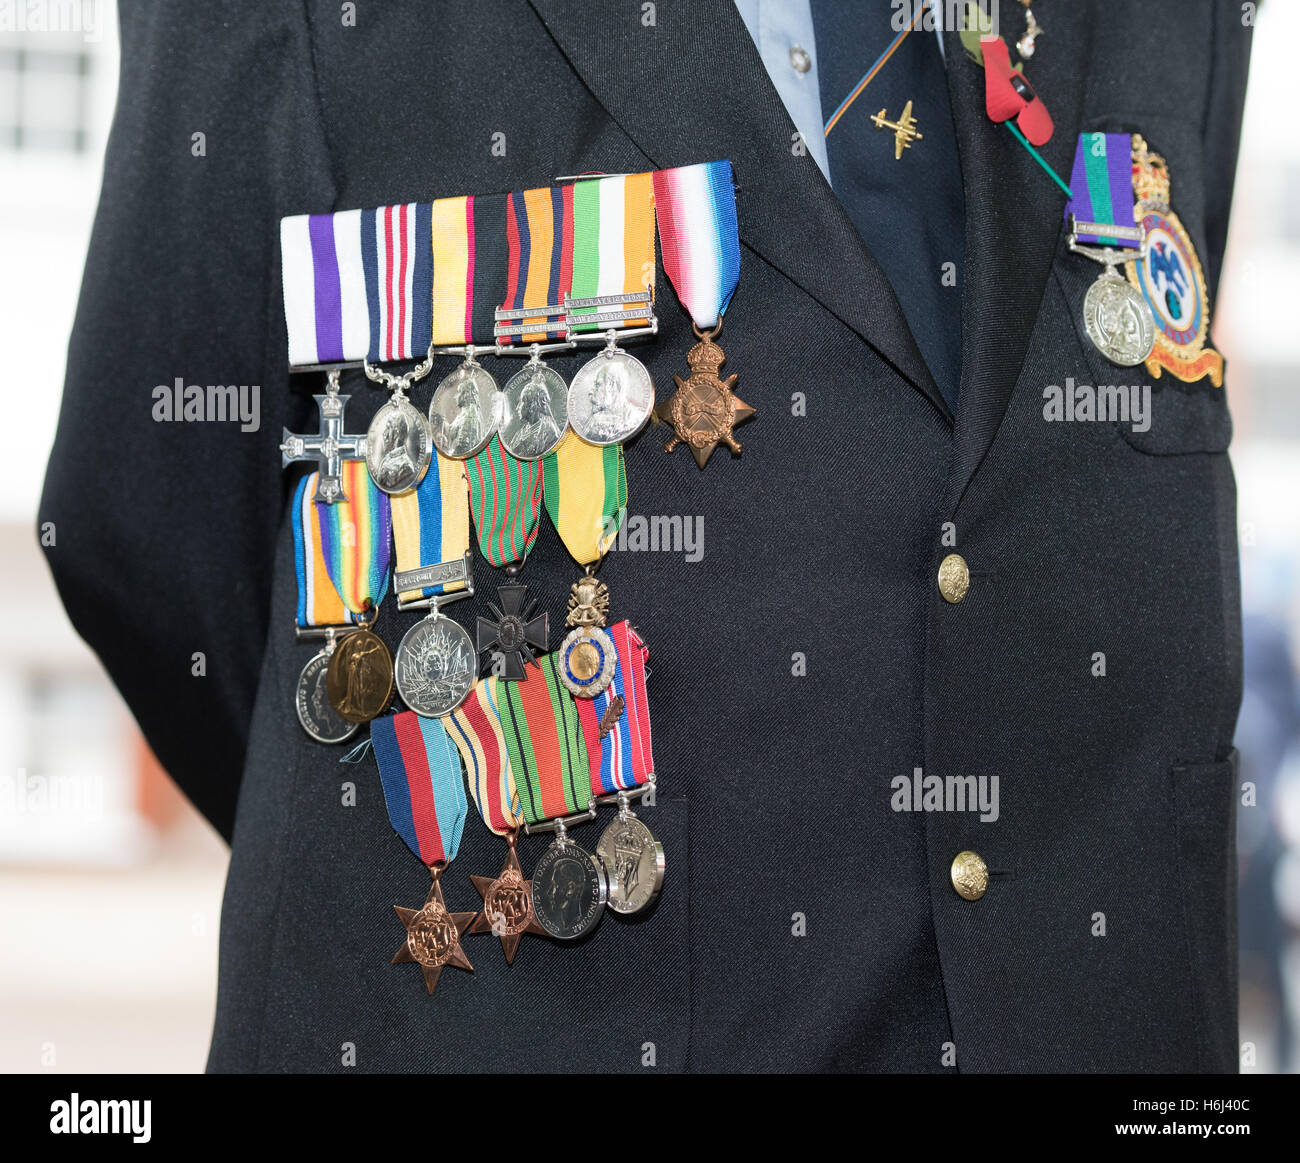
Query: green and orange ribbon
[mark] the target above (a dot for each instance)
(545, 743)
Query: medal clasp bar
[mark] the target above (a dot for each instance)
(561, 824)
(611, 313)
(1108, 256)
(346, 365)
(626, 796)
(441, 573)
(513, 323)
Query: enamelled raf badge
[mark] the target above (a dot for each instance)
(1170, 278)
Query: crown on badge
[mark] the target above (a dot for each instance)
(1150, 174)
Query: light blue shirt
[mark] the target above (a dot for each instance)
(783, 32)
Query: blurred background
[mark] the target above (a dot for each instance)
(91, 828)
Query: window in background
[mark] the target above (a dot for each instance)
(45, 82)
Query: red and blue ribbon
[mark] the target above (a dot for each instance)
(419, 767)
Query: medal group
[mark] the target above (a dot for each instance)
(542, 738)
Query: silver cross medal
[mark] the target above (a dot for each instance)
(328, 447)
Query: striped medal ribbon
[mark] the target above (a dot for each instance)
(552, 769)
(425, 796)
(506, 501)
(507, 897)
(1102, 185)
(319, 609)
(612, 395)
(355, 540)
(358, 284)
(616, 723)
(475, 728)
(545, 744)
(355, 545)
(431, 534)
(319, 603)
(1103, 227)
(695, 207)
(620, 718)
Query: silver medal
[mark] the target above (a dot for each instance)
(534, 411)
(435, 666)
(636, 863)
(570, 889)
(315, 711)
(398, 446)
(610, 398)
(1118, 320)
(463, 414)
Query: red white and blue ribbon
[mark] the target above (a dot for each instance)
(358, 284)
(419, 767)
(624, 754)
(698, 237)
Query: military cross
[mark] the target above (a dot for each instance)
(328, 447)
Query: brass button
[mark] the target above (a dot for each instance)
(954, 577)
(970, 875)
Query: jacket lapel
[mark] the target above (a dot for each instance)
(694, 88)
(1014, 214)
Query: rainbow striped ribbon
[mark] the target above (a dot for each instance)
(699, 237)
(475, 728)
(356, 538)
(431, 524)
(545, 743)
(319, 603)
(625, 760)
(423, 787)
(506, 500)
(358, 284)
(585, 489)
(1102, 186)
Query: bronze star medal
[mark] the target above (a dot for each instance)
(704, 409)
(507, 905)
(433, 935)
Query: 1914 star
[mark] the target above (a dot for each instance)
(507, 905)
(433, 935)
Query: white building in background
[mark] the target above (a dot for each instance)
(70, 758)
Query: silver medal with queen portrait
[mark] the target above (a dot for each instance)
(464, 412)
(534, 412)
